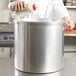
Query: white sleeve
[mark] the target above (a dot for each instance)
(59, 9)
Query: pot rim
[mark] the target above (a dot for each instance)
(37, 20)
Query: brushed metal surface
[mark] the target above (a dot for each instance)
(38, 46)
(18, 73)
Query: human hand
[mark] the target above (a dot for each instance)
(19, 6)
(68, 23)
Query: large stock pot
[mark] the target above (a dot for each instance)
(39, 45)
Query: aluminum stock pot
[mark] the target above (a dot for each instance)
(39, 45)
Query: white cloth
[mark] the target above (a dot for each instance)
(48, 8)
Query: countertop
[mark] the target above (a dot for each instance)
(70, 33)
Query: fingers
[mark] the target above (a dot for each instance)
(22, 5)
(18, 6)
(72, 25)
(69, 24)
(13, 7)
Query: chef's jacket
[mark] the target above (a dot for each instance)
(48, 8)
